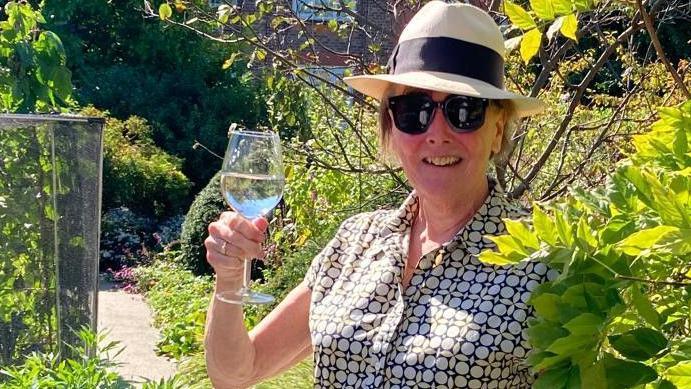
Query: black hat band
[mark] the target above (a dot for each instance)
(448, 55)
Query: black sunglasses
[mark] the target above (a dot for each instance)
(413, 113)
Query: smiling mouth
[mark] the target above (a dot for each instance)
(445, 161)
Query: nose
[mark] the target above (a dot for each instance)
(438, 131)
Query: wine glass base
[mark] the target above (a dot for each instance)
(244, 296)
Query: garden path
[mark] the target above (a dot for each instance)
(127, 319)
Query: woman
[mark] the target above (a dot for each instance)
(398, 298)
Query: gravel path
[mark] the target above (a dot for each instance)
(127, 320)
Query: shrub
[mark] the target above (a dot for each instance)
(172, 77)
(129, 239)
(137, 174)
(46, 370)
(179, 300)
(206, 207)
(618, 314)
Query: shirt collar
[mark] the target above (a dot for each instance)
(496, 205)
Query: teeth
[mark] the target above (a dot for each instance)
(442, 161)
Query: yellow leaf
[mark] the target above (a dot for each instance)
(679, 375)
(519, 16)
(164, 11)
(493, 258)
(229, 62)
(530, 44)
(569, 27)
(543, 9)
(562, 7)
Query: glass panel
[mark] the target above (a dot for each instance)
(50, 188)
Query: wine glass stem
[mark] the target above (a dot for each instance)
(248, 274)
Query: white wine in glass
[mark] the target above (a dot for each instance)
(252, 183)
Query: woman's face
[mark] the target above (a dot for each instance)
(442, 162)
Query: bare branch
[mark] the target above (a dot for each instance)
(575, 102)
(658, 48)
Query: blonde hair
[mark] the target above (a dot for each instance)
(506, 107)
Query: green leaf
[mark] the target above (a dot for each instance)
(553, 378)
(562, 7)
(546, 306)
(518, 16)
(583, 5)
(585, 324)
(655, 195)
(543, 9)
(563, 229)
(639, 344)
(626, 374)
(530, 45)
(569, 27)
(164, 11)
(223, 13)
(616, 229)
(572, 344)
(679, 375)
(542, 335)
(494, 258)
(644, 240)
(593, 376)
(519, 230)
(644, 307)
(585, 235)
(543, 225)
(508, 245)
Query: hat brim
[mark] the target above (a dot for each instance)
(376, 85)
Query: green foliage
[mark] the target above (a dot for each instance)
(566, 22)
(91, 369)
(33, 72)
(179, 300)
(207, 206)
(300, 376)
(130, 65)
(138, 174)
(28, 320)
(618, 315)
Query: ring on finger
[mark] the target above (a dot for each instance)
(224, 248)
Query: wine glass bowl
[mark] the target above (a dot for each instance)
(252, 183)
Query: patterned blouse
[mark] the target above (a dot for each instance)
(459, 323)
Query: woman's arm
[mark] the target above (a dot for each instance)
(236, 359)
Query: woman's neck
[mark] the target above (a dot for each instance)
(439, 218)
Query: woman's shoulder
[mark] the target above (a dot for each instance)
(367, 221)
(502, 205)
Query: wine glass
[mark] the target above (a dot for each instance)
(252, 184)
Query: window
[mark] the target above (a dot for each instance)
(322, 10)
(331, 73)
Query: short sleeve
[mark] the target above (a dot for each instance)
(346, 235)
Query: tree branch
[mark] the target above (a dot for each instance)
(575, 102)
(658, 48)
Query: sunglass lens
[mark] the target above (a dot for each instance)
(411, 113)
(466, 113)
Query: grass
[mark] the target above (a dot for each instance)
(299, 376)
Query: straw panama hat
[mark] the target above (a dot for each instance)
(453, 48)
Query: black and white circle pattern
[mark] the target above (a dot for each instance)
(459, 323)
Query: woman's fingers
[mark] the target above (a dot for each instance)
(231, 239)
(251, 230)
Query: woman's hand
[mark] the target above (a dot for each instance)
(231, 240)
